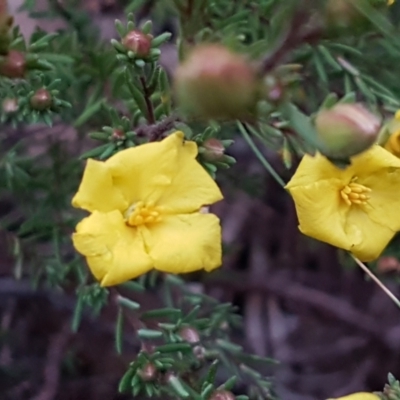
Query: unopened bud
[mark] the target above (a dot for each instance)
(10, 105)
(118, 134)
(346, 130)
(215, 83)
(41, 100)
(13, 65)
(274, 89)
(199, 352)
(189, 334)
(138, 42)
(388, 264)
(222, 395)
(148, 373)
(213, 149)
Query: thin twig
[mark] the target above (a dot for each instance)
(259, 155)
(376, 280)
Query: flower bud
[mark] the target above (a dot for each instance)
(10, 105)
(189, 334)
(148, 373)
(138, 42)
(215, 83)
(222, 395)
(212, 149)
(41, 100)
(346, 130)
(13, 65)
(118, 134)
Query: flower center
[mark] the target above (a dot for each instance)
(140, 213)
(354, 193)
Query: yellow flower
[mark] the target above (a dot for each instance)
(359, 396)
(390, 2)
(357, 208)
(145, 207)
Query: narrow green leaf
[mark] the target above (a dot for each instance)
(88, 113)
(94, 152)
(174, 347)
(300, 123)
(149, 334)
(119, 330)
(132, 305)
(125, 382)
(163, 312)
(212, 372)
(177, 386)
(159, 40)
(77, 317)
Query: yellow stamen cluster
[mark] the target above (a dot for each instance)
(141, 213)
(354, 193)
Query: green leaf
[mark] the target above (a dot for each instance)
(132, 305)
(174, 347)
(300, 123)
(149, 334)
(212, 372)
(163, 312)
(177, 386)
(88, 113)
(77, 317)
(159, 40)
(119, 330)
(94, 152)
(125, 382)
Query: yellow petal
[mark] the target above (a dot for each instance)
(96, 191)
(192, 187)
(322, 212)
(144, 172)
(384, 203)
(317, 168)
(359, 396)
(184, 243)
(372, 161)
(393, 144)
(369, 238)
(115, 252)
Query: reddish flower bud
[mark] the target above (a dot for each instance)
(138, 42)
(118, 134)
(41, 100)
(222, 395)
(213, 149)
(346, 130)
(148, 373)
(13, 65)
(189, 334)
(215, 83)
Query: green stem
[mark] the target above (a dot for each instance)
(376, 280)
(259, 155)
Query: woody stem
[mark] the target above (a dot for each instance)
(376, 280)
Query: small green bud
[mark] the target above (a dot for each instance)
(215, 83)
(41, 100)
(137, 42)
(346, 130)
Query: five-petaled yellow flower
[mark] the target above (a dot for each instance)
(359, 396)
(145, 205)
(356, 208)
